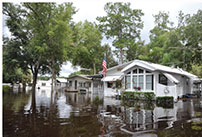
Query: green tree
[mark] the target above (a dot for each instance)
(53, 34)
(134, 50)
(109, 56)
(14, 65)
(196, 70)
(86, 50)
(176, 46)
(40, 35)
(189, 28)
(159, 36)
(122, 24)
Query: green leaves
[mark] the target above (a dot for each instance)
(87, 50)
(177, 46)
(122, 24)
(41, 33)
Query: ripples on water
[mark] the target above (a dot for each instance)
(74, 115)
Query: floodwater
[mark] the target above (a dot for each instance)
(76, 115)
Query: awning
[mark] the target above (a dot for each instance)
(111, 78)
(171, 78)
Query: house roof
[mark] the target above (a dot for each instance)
(155, 67)
(171, 78)
(95, 76)
(81, 76)
(63, 80)
(117, 66)
(120, 65)
(112, 78)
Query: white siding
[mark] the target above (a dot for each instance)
(109, 91)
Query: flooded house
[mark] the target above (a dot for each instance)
(61, 82)
(98, 86)
(86, 83)
(79, 83)
(142, 76)
(44, 83)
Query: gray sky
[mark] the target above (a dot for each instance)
(90, 9)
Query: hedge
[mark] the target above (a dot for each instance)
(138, 95)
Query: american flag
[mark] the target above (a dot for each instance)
(104, 65)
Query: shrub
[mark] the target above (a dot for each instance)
(97, 100)
(6, 88)
(165, 101)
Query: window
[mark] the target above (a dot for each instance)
(80, 84)
(70, 83)
(135, 71)
(148, 72)
(109, 84)
(149, 82)
(129, 73)
(128, 81)
(163, 79)
(43, 84)
(141, 71)
(141, 81)
(134, 81)
(187, 81)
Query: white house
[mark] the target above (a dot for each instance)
(61, 82)
(43, 83)
(80, 83)
(86, 84)
(143, 76)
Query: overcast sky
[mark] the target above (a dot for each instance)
(90, 9)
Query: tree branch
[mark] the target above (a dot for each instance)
(28, 5)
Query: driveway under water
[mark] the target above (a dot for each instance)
(77, 115)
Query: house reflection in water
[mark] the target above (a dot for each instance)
(146, 116)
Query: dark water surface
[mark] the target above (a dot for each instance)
(76, 115)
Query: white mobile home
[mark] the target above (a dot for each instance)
(61, 82)
(79, 83)
(44, 83)
(144, 76)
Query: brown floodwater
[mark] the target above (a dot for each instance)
(77, 115)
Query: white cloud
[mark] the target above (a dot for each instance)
(67, 69)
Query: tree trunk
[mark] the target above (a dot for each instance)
(24, 87)
(19, 87)
(53, 87)
(121, 48)
(33, 106)
(94, 68)
(121, 55)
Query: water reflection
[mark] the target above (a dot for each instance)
(72, 114)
